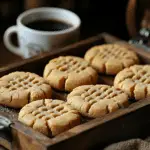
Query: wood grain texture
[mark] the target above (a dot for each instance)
(113, 127)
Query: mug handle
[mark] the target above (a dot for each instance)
(8, 42)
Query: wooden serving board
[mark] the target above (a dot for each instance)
(120, 125)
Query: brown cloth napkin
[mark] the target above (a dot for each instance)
(132, 144)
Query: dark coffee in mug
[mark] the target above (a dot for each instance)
(48, 25)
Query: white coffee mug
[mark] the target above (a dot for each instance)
(32, 42)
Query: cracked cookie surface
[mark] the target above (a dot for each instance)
(49, 117)
(110, 58)
(67, 72)
(19, 88)
(97, 100)
(135, 81)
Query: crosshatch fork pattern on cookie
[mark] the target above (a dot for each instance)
(49, 117)
(67, 72)
(20, 88)
(69, 64)
(97, 100)
(135, 81)
(110, 58)
(23, 82)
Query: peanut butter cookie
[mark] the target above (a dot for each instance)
(135, 81)
(19, 88)
(49, 117)
(110, 58)
(67, 72)
(97, 100)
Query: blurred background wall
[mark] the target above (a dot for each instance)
(97, 15)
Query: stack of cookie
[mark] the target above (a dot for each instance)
(79, 78)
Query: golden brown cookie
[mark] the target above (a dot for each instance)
(49, 117)
(110, 58)
(135, 81)
(97, 100)
(19, 88)
(67, 72)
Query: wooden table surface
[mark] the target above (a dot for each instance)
(6, 57)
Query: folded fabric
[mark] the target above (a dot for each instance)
(132, 144)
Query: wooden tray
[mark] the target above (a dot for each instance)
(121, 125)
